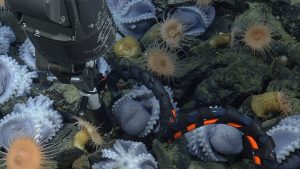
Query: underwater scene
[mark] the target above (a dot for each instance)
(149, 84)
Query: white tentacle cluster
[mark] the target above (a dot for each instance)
(27, 54)
(36, 119)
(7, 36)
(127, 155)
(15, 78)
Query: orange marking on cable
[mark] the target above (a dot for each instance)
(173, 112)
(252, 142)
(104, 78)
(191, 127)
(177, 135)
(257, 160)
(212, 121)
(234, 125)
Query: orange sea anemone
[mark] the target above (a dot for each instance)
(25, 153)
(259, 38)
(163, 62)
(92, 131)
(255, 32)
(172, 32)
(2, 4)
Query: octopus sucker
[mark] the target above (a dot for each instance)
(15, 78)
(286, 135)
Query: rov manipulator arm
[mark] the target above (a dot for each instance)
(68, 35)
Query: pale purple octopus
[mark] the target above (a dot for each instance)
(4, 75)
(15, 79)
(195, 19)
(286, 135)
(7, 36)
(126, 154)
(132, 17)
(212, 142)
(36, 118)
(27, 54)
(138, 111)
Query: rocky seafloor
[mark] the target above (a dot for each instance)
(225, 74)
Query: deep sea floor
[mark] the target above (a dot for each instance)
(207, 53)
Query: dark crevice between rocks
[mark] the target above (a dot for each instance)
(190, 90)
(238, 101)
(264, 84)
(289, 17)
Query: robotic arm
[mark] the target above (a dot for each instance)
(68, 35)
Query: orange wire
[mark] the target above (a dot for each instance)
(234, 125)
(177, 135)
(257, 160)
(212, 121)
(173, 112)
(252, 142)
(191, 127)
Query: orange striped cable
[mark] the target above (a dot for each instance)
(212, 121)
(173, 112)
(252, 142)
(257, 160)
(191, 127)
(234, 125)
(177, 135)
